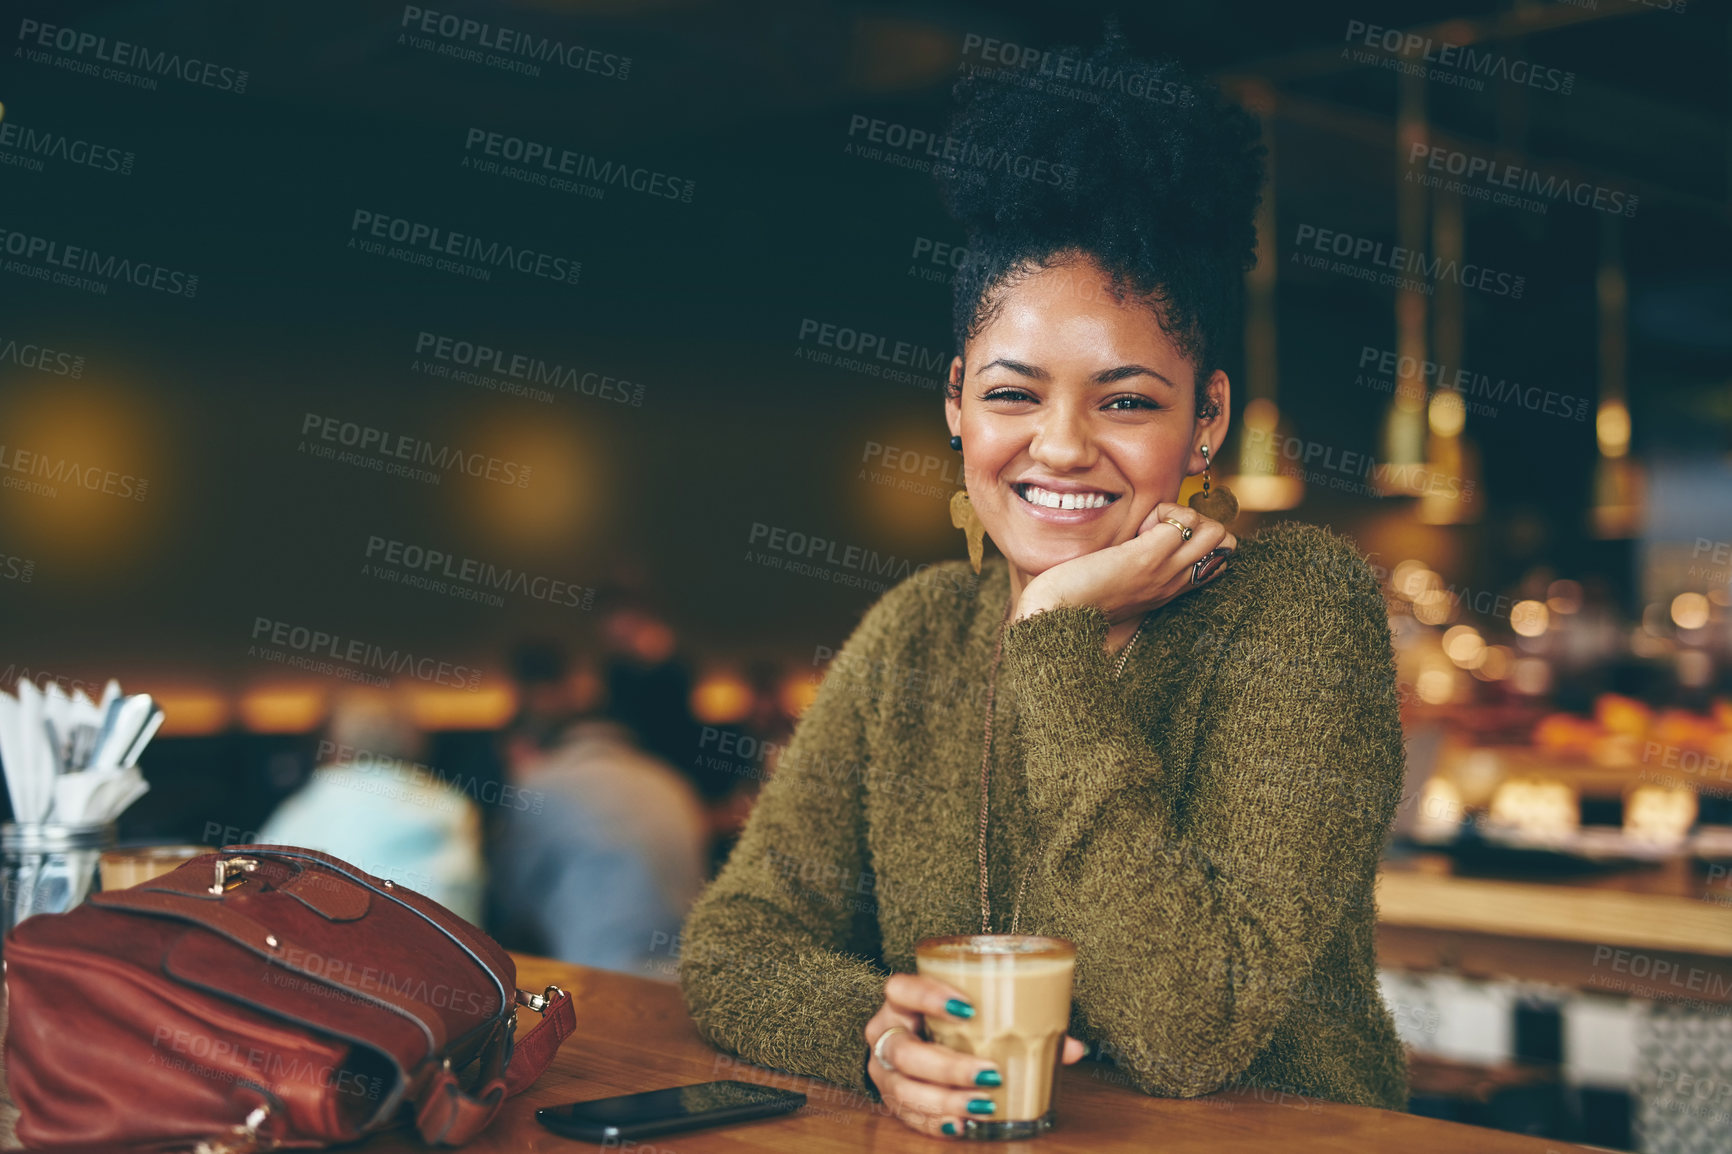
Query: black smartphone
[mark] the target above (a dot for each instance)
(665, 1111)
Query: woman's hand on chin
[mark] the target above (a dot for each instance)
(932, 1087)
(1130, 578)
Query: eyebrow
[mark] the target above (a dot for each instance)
(1104, 377)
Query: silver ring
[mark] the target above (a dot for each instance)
(878, 1046)
(1184, 529)
(1211, 561)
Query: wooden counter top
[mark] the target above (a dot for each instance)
(633, 1034)
(1643, 909)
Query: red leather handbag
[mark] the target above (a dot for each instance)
(261, 996)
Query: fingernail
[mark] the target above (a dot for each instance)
(988, 1078)
(957, 1008)
(981, 1106)
(949, 1128)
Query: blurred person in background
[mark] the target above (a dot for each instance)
(371, 802)
(603, 859)
(547, 701)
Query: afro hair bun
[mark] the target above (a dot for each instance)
(1079, 136)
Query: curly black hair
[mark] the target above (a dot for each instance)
(1135, 163)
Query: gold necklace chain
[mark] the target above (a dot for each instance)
(985, 769)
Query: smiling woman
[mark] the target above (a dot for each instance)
(1205, 833)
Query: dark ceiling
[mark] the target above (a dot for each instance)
(704, 303)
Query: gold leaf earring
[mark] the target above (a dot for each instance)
(1217, 503)
(963, 516)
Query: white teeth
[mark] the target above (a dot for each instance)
(1035, 495)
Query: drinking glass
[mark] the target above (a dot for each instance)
(1020, 987)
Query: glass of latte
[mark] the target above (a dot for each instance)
(1020, 986)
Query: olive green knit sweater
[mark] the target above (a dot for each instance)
(1206, 827)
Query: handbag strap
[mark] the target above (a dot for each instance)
(466, 937)
(448, 1115)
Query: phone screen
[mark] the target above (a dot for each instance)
(668, 1109)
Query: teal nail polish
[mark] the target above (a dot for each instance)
(957, 1008)
(981, 1106)
(949, 1129)
(988, 1078)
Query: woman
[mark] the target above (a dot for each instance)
(1202, 812)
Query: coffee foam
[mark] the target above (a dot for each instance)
(1033, 966)
(988, 948)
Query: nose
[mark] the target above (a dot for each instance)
(1061, 440)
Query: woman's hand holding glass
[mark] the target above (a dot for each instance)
(928, 1086)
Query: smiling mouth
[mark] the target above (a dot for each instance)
(1048, 499)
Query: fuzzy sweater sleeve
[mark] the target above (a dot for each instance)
(777, 957)
(1194, 929)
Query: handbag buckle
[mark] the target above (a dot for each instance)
(539, 1002)
(225, 879)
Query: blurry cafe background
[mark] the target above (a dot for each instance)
(503, 571)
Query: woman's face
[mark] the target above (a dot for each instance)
(1070, 392)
